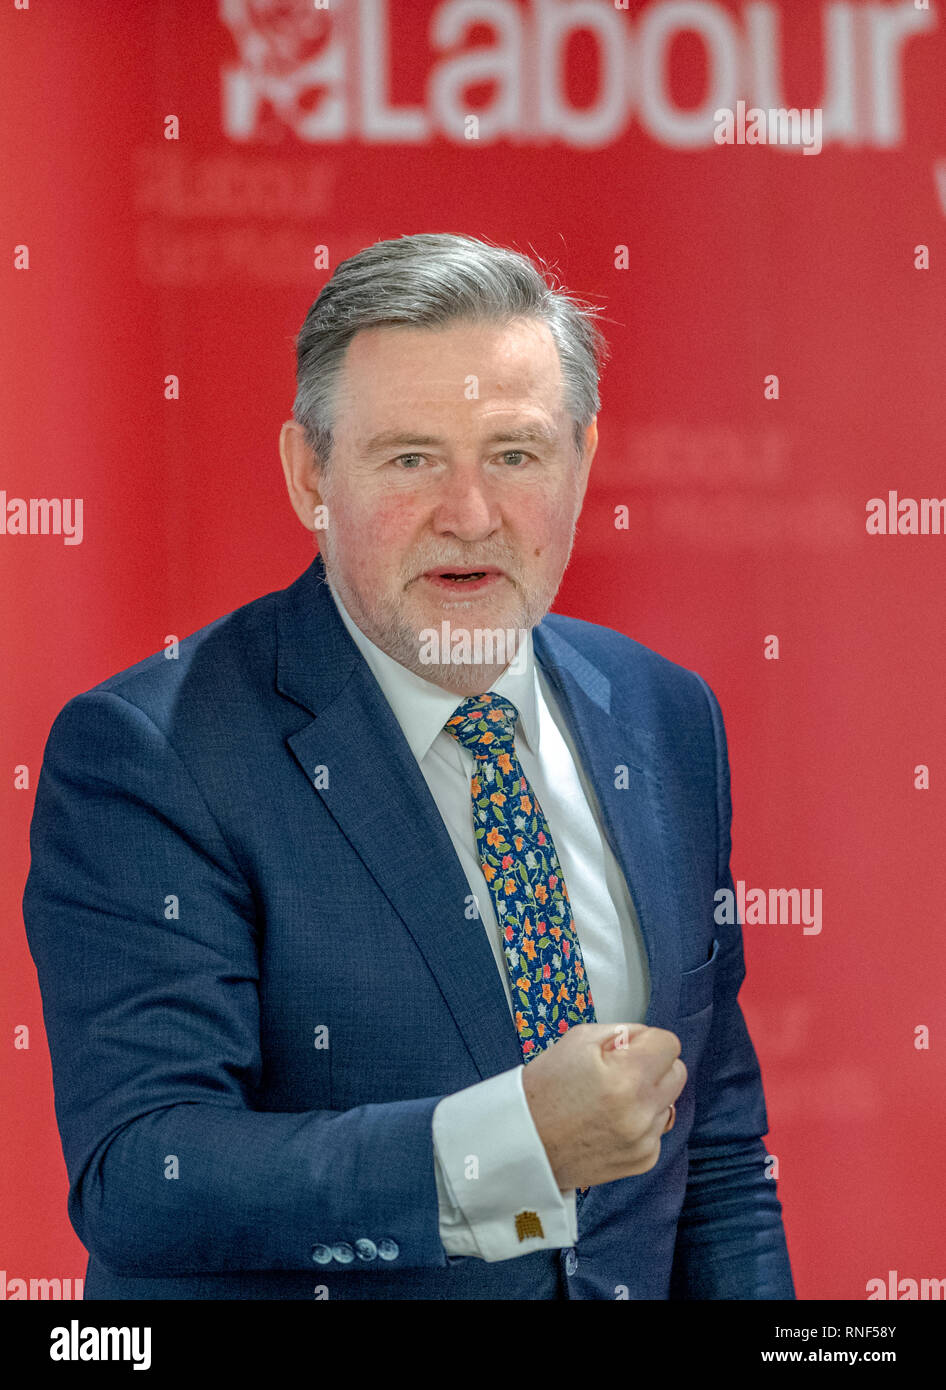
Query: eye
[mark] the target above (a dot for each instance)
(411, 458)
(513, 454)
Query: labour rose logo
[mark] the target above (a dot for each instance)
(289, 61)
(277, 36)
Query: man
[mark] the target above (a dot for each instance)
(379, 962)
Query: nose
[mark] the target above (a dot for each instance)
(466, 507)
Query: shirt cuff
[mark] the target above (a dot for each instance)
(497, 1193)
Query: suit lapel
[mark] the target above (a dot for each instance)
(380, 800)
(634, 816)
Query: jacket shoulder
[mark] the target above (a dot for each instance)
(643, 685)
(220, 660)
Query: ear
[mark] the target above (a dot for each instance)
(588, 453)
(301, 472)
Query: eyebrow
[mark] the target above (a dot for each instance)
(523, 434)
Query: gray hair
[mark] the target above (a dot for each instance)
(427, 281)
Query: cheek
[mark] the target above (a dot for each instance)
(393, 517)
(377, 530)
(545, 522)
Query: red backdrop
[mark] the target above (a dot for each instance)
(132, 257)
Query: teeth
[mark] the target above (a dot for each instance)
(464, 578)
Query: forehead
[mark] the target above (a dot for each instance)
(474, 368)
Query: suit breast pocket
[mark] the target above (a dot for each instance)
(692, 1027)
(696, 986)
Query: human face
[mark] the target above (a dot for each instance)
(452, 451)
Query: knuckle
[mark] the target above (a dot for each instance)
(634, 1125)
(648, 1158)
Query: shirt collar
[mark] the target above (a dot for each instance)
(422, 708)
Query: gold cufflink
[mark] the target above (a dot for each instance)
(528, 1224)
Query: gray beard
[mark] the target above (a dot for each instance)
(390, 630)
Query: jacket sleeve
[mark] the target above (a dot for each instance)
(144, 935)
(730, 1238)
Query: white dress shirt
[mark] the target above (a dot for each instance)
(490, 1163)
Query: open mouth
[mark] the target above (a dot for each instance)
(460, 579)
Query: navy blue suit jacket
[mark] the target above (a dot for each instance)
(198, 905)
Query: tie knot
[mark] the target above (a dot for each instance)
(485, 724)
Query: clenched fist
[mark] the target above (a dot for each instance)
(600, 1098)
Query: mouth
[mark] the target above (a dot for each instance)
(463, 579)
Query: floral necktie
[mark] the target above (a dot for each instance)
(519, 863)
